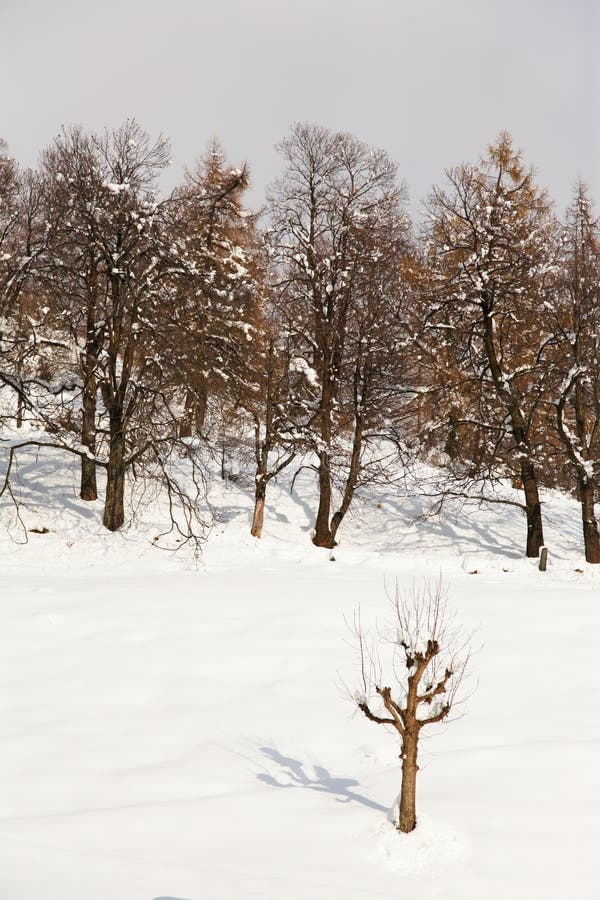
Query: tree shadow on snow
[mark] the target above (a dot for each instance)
(409, 522)
(59, 477)
(322, 780)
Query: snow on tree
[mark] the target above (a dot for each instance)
(490, 249)
(338, 235)
(572, 356)
(106, 273)
(217, 295)
(75, 276)
(23, 238)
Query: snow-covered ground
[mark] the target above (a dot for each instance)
(177, 728)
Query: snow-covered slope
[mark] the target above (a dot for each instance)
(175, 727)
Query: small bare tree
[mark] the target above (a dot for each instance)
(429, 655)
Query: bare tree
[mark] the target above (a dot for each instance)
(275, 408)
(10, 223)
(22, 238)
(74, 276)
(338, 235)
(111, 266)
(428, 661)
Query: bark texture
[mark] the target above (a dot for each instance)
(407, 820)
(89, 488)
(259, 509)
(591, 538)
(114, 509)
(323, 536)
(533, 509)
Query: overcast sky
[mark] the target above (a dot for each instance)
(431, 81)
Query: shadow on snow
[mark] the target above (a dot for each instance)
(294, 775)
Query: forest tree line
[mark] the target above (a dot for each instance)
(137, 328)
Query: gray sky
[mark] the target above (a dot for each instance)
(431, 81)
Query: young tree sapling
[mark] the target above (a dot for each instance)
(429, 655)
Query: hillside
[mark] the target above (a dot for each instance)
(176, 726)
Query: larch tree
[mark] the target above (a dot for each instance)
(216, 298)
(572, 354)
(490, 239)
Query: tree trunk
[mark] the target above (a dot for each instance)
(88, 362)
(259, 507)
(89, 488)
(223, 467)
(351, 480)
(114, 513)
(195, 406)
(585, 488)
(407, 820)
(519, 427)
(20, 396)
(533, 509)
(201, 407)
(20, 406)
(323, 536)
(591, 538)
(185, 427)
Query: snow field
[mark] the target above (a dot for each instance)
(179, 729)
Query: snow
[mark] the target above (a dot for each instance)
(300, 365)
(175, 727)
(117, 187)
